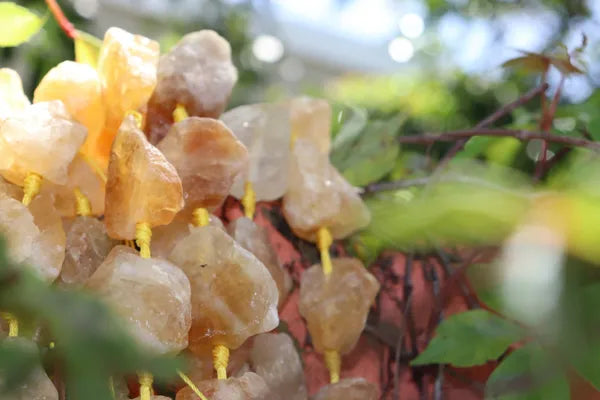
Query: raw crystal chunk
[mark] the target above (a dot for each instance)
(87, 246)
(152, 295)
(348, 389)
(42, 138)
(311, 120)
(142, 185)
(248, 387)
(233, 294)
(318, 196)
(127, 67)
(276, 360)
(336, 306)
(35, 235)
(198, 74)
(265, 131)
(78, 87)
(10, 190)
(83, 176)
(12, 98)
(153, 397)
(254, 239)
(207, 157)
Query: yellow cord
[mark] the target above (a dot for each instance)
(82, 204)
(249, 200)
(200, 217)
(220, 360)
(31, 187)
(333, 363)
(139, 119)
(13, 324)
(293, 137)
(189, 382)
(180, 113)
(324, 241)
(145, 380)
(143, 235)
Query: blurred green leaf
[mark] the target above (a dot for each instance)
(18, 359)
(528, 373)
(17, 24)
(469, 338)
(350, 128)
(87, 48)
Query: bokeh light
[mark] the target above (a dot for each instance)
(412, 25)
(401, 50)
(267, 48)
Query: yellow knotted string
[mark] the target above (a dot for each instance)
(324, 241)
(180, 113)
(200, 217)
(145, 380)
(82, 204)
(143, 235)
(249, 200)
(220, 360)
(333, 363)
(31, 187)
(189, 382)
(13, 324)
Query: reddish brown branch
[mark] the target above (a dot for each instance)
(61, 19)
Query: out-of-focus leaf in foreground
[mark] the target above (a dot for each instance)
(17, 24)
(87, 48)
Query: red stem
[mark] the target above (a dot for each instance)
(545, 125)
(61, 19)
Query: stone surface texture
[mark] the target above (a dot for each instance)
(265, 131)
(336, 306)
(142, 185)
(233, 294)
(42, 138)
(348, 389)
(248, 387)
(311, 120)
(318, 196)
(12, 97)
(198, 74)
(152, 295)
(207, 157)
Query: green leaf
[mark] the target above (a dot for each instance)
(351, 128)
(17, 24)
(469, 338)
(527, 373)
(87, 48)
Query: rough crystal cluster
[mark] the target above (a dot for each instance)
(198, 74)
(207, 157)
(247, 387)
(152, 295)
(233, 294)
(142, 185)
(78, 87)
(127, 68)
(318, 196)
(348, 389)
(42, 138)
(265, 131)
(336, 306)
(276, 360)
(87, 247)
(311, 120)
(12, 98)
(254, 239)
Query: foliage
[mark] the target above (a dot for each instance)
(17, 24)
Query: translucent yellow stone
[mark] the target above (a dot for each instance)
(152, 295)
(318, 196)
(207, 157)
(127, 68)
(233, 294)
(336, 306)
(348, 389)
(254, 239)
(78, 87)
(247, 387)
(12, 98)
(10, 190)
(42, 138)
(142, 185)
(196, 73)
(311, 120)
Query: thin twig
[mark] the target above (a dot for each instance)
(453, 136)
(407, 294)
(61, 19)
(545, 125)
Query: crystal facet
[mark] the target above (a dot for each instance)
(12, 98)
(265, 131)
(42, 138)
(311, 120)
(233, 294)
(336, 306)
(198, 74)
(248, 387)
(318, 196)
(207, 157)
(152, 295)
(142, 185)
(348, 389)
